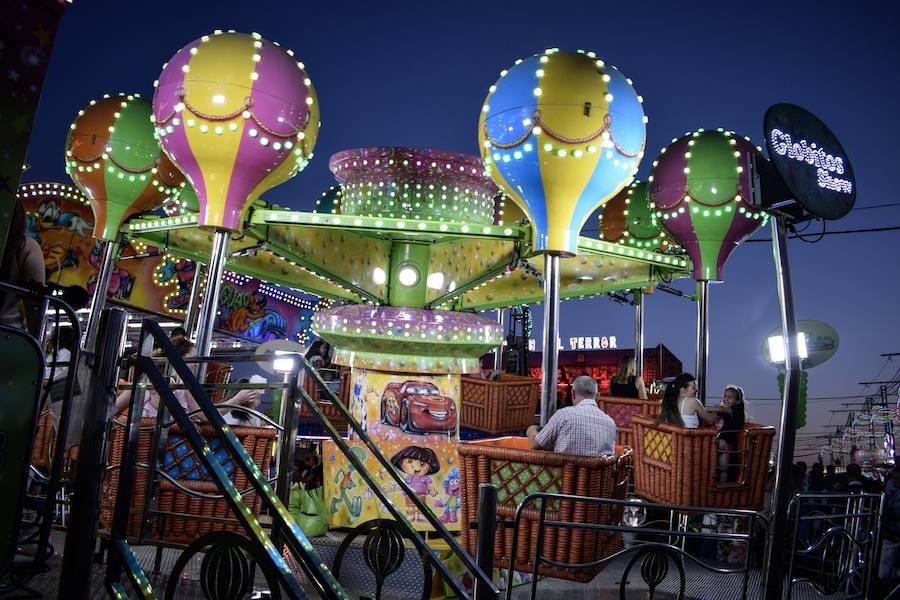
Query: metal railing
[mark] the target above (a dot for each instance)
(54, 478)
(654, 556)
(835, 543)
(318, 574)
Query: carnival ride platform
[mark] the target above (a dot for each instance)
(407, 582)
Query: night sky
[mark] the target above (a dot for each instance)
(416, 74)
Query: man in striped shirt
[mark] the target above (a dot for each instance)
(579, 429)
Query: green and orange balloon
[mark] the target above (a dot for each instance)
(114, 158)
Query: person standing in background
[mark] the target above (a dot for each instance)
(627, 383)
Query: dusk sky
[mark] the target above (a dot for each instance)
(416, 74)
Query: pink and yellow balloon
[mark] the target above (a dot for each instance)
(238, 115)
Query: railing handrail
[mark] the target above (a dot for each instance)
(65, 411)
(313, 566)
(639, 547)
(446, 536)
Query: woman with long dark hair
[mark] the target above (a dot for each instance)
(22, 265)
(681, 407)
(317, 355)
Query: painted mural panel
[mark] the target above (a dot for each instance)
(153, 280)
(414, 420)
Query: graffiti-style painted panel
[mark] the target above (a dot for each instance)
(255, 310)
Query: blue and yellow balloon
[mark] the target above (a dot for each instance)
(562, 133)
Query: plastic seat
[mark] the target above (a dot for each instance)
(678, 466)
(518, 471)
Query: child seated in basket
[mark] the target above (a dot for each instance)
(732, 424)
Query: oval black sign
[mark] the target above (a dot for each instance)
(810, 160)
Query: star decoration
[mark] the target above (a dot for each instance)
(43, 35)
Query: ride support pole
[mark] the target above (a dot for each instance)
(210, 303)
(75, 580)
(498, 351)
(549, 356)
(639, 334)
(778, 519)
(702, 338)
(98, 301)
(485, 534)
(192, 312)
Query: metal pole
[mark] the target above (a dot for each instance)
(210, 303)
(289, 420)
(549, 358)
(193, 307)
(498, 351)
(702, 338)
(781, 496)
(284, 458)
(82, 534)
(109, 249)
(484, 542)
(639, 334)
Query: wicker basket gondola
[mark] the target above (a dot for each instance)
(45, 443)
(518, 471)
(327, 408)
(182, 464)
(678, 466)
(502, 406)
(622, 409)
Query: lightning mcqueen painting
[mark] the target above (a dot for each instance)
(418, 407)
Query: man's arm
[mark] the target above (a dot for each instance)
(544, 438)
(532, 433)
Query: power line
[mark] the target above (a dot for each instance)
(840, 232)
(889, 204)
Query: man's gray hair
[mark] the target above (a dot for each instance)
(584, 387)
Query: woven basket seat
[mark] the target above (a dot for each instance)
(180, 462)
(518, 471)
(622, 409)
(676, 465)
(502, 406)
(45, 443)
(328, 409)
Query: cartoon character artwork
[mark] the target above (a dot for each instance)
(358, 400)
(48, 225)
(344, 479)
(418, 464)
(242, 316)
(121, 282)
(181, 272)
(452, 494)
(271, 326)
(418, 407)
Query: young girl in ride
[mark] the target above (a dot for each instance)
(732, 413)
